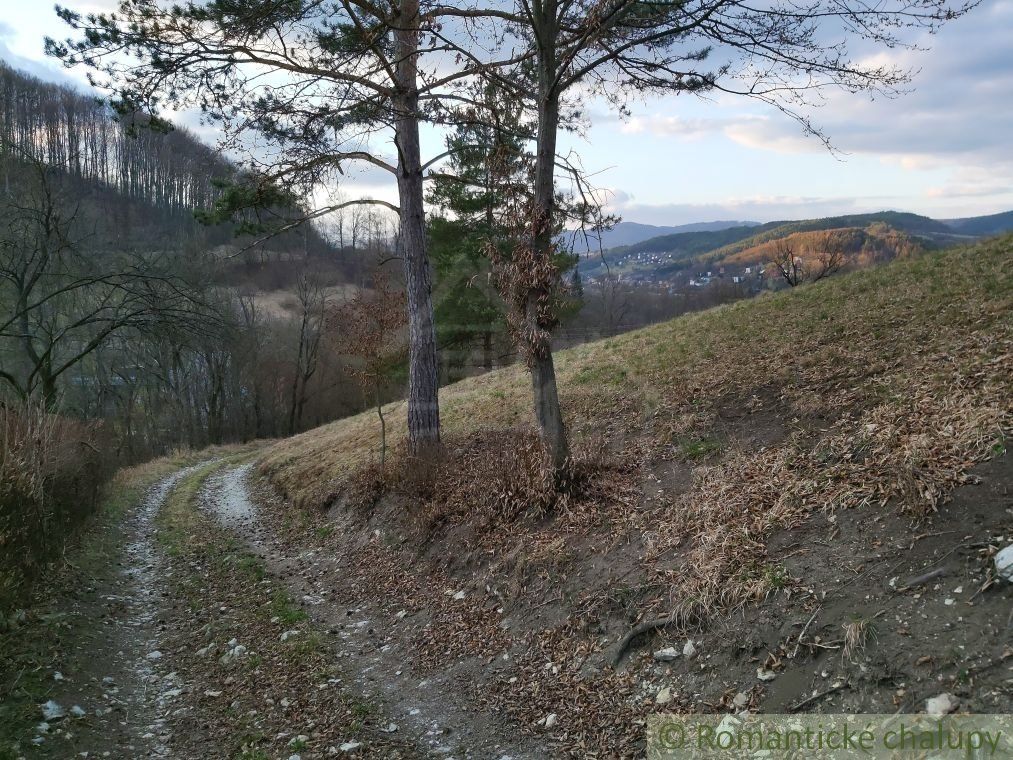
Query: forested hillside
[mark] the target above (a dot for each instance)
(120, 305)
(65, 128)
(660, 258)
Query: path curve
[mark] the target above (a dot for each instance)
(428, 711)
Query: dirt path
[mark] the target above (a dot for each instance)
(424, 712)
(111, 694)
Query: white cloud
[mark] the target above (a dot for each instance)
(958, 112)
(690, 129)
(757, 208)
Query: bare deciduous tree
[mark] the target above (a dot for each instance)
(828, 256)
(788, 264)
(312, 300)
(69, 291)
(797, 263)
(370, 331)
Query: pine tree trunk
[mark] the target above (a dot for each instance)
(543, 371)
(423, 376)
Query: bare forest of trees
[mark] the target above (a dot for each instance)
(63, 128)
(119, 306)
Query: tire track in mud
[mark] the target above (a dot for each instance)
(111, 695)
(425, 712)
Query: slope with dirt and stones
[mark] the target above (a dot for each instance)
(741, 472)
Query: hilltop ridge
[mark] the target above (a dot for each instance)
(659, 258)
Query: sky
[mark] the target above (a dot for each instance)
(943, 148)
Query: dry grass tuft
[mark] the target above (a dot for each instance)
(856, 635)
(490, 480)
(51, 477)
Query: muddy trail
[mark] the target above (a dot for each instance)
(364, 641)
(110, 693)
(203, 640)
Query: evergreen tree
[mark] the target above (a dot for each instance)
(487, 165)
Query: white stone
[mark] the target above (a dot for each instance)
(689, 650)
(941, 704)
(667, 654)
(765, 675)
(350, 747)
(156, 655)
(1004, 563)
(728, 725)
(52, 711)
(664, 696)
(550, 720)
(459, 596)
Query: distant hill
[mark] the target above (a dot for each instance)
(660, 257)
(993, 224)
(631, 233)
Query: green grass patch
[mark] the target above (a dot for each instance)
(324, 531)
(699, 448)
(285, 609)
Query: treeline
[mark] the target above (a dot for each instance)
(145, 173)
(100, 322)
(62, 127)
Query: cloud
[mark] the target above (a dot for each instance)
(41, 69)
(754, 208)
(689, 129)
(958, 112)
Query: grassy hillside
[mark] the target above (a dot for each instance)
(785, 344)
(789, 458)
